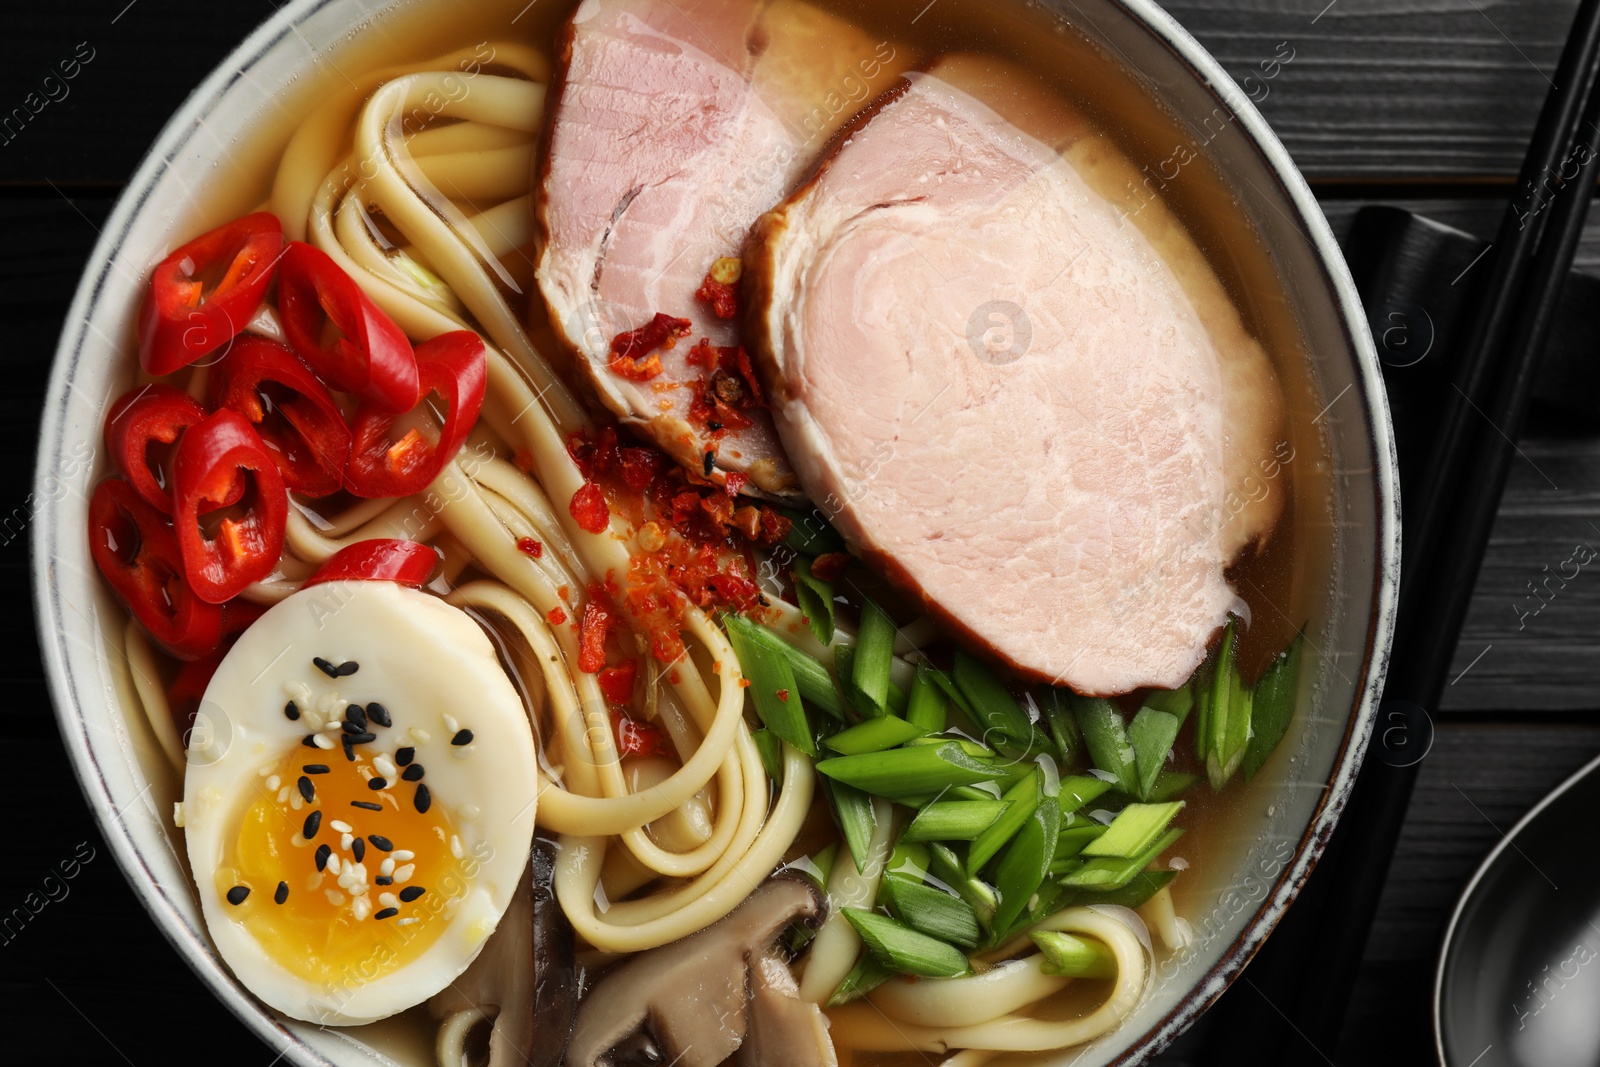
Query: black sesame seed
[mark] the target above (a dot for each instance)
(708, 461)
(377, 783)
(411, 892)
(323, 852)
(423, 799)
(306, 789)
(413, 773)
(462, 737)
(282, 894)
(381, 843)
(383, 879)
(315, 768)
(357, 715)
(349, 750)
(366, 805)
(379, 714)
(325, 667)
(309, 740)
(404, 756)
(358, 849)
(360, 739)
(352, 727)
(386, 913)
(713, 425)
(347, 669)
(313, 824)
(237, 894)
(292, 710)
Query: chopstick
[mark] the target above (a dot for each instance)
(1311, 962)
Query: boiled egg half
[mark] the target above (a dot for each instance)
(359, 800)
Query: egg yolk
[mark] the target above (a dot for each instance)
(366, 892)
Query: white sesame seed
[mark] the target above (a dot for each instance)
(401, 855)
(461, 752)
(322, 741)
(386, 868)
(283, 795)
(450, 723)
(345, 841)
(388, 900)
(265, 771)
(314, 882)
(403, 874)
(296, 802)
(297, 691)
(360, 869)
(298, 840)
(335, 897)
(332, 705)
(384, 766)
(469, 812)
(455, 846)
(340, 826)
(361, 908)
(333, 726)
(334, 863)
(409, 920)
(273, 783)
(421, 736)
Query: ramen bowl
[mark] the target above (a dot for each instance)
(1207, 151)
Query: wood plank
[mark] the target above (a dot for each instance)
(1419, 89)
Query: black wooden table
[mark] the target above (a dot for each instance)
(1424, 105)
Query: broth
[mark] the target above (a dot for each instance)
(1284, 585)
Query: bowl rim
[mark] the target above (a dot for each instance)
(1335, 276)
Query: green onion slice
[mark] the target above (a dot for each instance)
(1274, 705)
(873, 735)
(1075, 957)
(1134, 830)
(853, 809)
(816, 600)
(927, 705)
(911, 771)
(1151, 733)
(775, 691)
(1106, 737)
(953, 820)
(904, 950)
(931, 911)
(1021, 801)
(816, 687)
(874, 653)
(993, 707)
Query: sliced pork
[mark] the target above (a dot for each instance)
(1025, 401)
(675, 124)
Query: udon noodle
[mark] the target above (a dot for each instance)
(416, 180)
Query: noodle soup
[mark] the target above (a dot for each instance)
(704, 694)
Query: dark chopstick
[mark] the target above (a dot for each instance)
(1308, 968)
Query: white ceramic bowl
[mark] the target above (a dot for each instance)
(126, 779)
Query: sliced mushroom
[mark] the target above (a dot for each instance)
(503, 1012)
(784, 1031)
(692, 1003)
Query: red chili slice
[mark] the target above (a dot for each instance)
(187, 691)
(635, 738)
(292, 411)
(248, 542)
(617, 682)
(151, 415)
(588, 506)
(452, 365)
(592, 630)
(342, 334)
(137, 552)
(203, 295)
(379, 560)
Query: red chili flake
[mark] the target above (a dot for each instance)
(747, 520)
(555, 617)
(735, 482)
(529, 546)
(589, 507)
(748, 373)
(524, 460)
(632, 352)
(635, 738)
(774, 526)
(724, 299)
(592, 631)
(783, 695)
(744, 683)
(672, 677)
(828, 567)
(639, 466)
(740, 592)
(617, 682)
(702, 354)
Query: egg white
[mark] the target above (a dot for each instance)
(423, 660)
